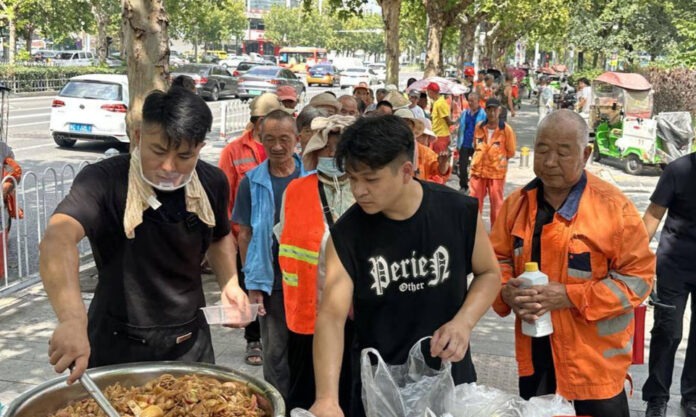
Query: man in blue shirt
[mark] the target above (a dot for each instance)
(465, 137)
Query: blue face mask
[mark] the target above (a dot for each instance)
(327, 166)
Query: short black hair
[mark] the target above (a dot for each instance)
(309, 113)
(584, 81)
(384, 103)
(382, 91)
(410, 81)
(376, 142)
(279, 115)
(183, 115)
(184, 81)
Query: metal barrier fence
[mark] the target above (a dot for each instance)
(37, 194)
(235, 115)
(24, 85)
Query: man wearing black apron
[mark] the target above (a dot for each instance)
(150, 218)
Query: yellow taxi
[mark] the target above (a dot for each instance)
(323, 74)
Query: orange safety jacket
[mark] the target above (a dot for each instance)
(429, 167)
(490, 159)
(236, 159)
(299, 247)
(13, 169)
(598, 247)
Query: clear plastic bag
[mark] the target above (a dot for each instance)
(473, 400)
(412, 389)
(548, 406)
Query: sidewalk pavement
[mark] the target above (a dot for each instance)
(27, 321)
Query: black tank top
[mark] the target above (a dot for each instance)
(409, 276)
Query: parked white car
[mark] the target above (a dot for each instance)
(74, 58)
(353, 76)
(90, 107)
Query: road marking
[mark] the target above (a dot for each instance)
(13, 99)
(26, 148)
(30, 108)
(30, 124)
(29, 115)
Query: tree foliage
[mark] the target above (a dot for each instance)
(299, 27)
(206, 21)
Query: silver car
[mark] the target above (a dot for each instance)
(267, 79)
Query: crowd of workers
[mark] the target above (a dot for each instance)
(337, 221)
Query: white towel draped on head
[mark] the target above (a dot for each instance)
(141, 194)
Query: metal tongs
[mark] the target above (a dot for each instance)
(91, 387)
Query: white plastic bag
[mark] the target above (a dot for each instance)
(473, 400)
(406, 390)
(548, 406)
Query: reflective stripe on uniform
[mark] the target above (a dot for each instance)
(518, 251)
(610, 353)
(298, 253)
(290, 279)
(505, 262)
(637, 285)
(625, 304)
(614, 325)
(576, 273)
(243, 161)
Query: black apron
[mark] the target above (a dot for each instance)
(146, 306)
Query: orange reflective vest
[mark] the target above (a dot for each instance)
(300, 245)
(490, 159)
(236, 159)
(597, 246)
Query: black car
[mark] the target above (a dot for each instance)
(212, 81)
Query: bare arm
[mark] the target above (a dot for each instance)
(58, 266)
(652, 218)
(328, 335)
(222, 256)
(243, 240)
(451, 341)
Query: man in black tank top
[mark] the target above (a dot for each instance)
(400, 256)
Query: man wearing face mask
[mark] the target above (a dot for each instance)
(150, 217)
(310, 206)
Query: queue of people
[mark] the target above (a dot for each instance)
(337, 221)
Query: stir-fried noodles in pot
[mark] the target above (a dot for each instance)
(168, 396)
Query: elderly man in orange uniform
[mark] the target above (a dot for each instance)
(590, 241)
(494, 144)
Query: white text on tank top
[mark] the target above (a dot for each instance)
(414, 272)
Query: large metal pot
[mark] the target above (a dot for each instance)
(55, 394)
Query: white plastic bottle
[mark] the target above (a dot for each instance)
(532, 276)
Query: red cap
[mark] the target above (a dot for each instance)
(433, 87)
(469, 72)
(286, 92)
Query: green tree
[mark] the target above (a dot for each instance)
(391, 10)
(442, 15)
(299, 27)
(206, 21)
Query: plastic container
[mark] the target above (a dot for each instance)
(230, 314)
(543, 325)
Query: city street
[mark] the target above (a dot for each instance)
(27, 321)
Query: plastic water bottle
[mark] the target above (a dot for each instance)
(532, 276)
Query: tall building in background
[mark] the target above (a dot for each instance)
(254, 40)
